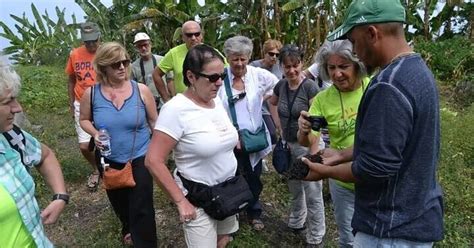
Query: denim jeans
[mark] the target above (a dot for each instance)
(343, 200)
(363, 240)
(307, 203)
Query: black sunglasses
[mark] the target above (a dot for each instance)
(273, 54)
(90, 42)
(190, 35)
(214, 77)
(236, 98)
(116, 65)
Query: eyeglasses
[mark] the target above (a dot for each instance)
(90, 42)
(273, 54)
(146, 45)
(236, 98)
(116, 65)
(190, 35)
(214, 77)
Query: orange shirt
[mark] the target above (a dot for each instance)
(80, 64)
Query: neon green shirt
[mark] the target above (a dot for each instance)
(13, 232)
(331, 103)
(173, 61)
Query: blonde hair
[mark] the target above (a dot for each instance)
(107, 54)
(270, 45)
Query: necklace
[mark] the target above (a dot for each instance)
(342, 104)
(402, 54)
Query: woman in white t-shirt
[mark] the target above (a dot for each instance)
(196, 127)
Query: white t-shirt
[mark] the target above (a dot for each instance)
(314, 70)
(206, 140)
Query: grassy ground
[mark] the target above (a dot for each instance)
(89, 221)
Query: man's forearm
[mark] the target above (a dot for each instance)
(160, 84)
(70, 89)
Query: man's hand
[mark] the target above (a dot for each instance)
(316, 170)
(331, 156)
(51, 213)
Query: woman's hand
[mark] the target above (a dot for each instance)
(51, 213)
(97, 142)
(304, 126)
(187, 211)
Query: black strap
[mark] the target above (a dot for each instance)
(91, 104)
(290, 106)
(17, 141)
(142, 67)
(228, 91)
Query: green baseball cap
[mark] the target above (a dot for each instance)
(362, 12)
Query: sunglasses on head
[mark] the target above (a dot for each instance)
(236, 98)
(116, 65)
(214, 77)
(190, 35)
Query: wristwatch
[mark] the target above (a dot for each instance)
(64, 197)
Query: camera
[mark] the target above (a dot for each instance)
(317, 122)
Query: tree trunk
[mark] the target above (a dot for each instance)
(426, 19)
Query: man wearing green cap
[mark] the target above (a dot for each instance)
(398, 202)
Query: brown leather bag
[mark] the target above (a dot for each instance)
(119, 179)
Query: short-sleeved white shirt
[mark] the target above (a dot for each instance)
(206, 140)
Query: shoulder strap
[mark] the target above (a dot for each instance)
(228, 91)
(290, 104)
(142, 67)
(138, 115)
(92, 103)
(17, 141)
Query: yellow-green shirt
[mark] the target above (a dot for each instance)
(340, 111)
(13, 232)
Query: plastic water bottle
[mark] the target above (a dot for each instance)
(104, 139)
(325, 136)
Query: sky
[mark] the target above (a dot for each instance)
(17, 7)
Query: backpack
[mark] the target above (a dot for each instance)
(17, 141)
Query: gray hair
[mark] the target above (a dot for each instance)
(238, 45)
(342, 48)
(9, 79)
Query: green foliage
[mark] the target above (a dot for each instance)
(455, 174)
(42, 41)
(40, 88)
(451, 59)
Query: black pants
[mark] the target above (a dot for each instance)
(134, 206)
(252, 176)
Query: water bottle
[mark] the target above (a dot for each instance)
(104, 139)
(325, 136)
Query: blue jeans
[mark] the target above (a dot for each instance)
(252, 176)
(363, 240)
(343, 200)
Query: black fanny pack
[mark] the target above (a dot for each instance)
(219, 201)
